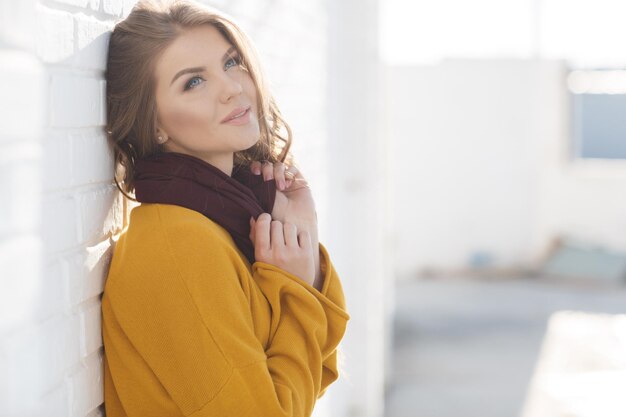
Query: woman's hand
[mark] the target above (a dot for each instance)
(294, 204)
(284, 246)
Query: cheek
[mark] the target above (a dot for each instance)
(249, 87)
(190, 116)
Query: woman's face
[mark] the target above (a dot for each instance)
(199, 83)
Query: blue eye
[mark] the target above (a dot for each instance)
(236, 60)
(189, 85)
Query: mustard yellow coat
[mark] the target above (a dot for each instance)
(190, 328)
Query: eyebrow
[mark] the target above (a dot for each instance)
(200, 69)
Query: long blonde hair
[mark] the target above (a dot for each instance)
(134, 46)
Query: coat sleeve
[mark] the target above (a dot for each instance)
(333, 290)
(332, 300)
(190, 325)
(330, 295)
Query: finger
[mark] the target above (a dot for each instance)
(290, 172)
(291, 234)
(298, 179)
(277, 237)
(290, 175)
(297, 172)
(262, 232)
(296, 186)
(252, 229)
(268, 171)
(279, 175)
(255, 167)
(304, 240)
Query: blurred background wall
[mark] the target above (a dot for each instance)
(500, 115)
(507, 169)
(471, 140)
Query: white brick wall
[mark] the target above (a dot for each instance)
(81, 210)
(59, 210)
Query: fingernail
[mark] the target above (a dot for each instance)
(281, 185)
(257, 170)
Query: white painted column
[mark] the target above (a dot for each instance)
(357, 209)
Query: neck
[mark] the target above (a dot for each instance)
(222, 161)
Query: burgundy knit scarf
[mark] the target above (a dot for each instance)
(187, 181)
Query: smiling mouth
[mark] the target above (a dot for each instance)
(240, 119)
(239, 115)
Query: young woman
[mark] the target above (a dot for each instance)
(219, 300)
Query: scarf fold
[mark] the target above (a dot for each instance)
(188, 181)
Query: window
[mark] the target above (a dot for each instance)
(598, 110)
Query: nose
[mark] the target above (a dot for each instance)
(231, 86)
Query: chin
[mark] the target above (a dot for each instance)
(254, 141)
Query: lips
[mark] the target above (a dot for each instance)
(239, 111)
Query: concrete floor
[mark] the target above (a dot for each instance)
(468, 347)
